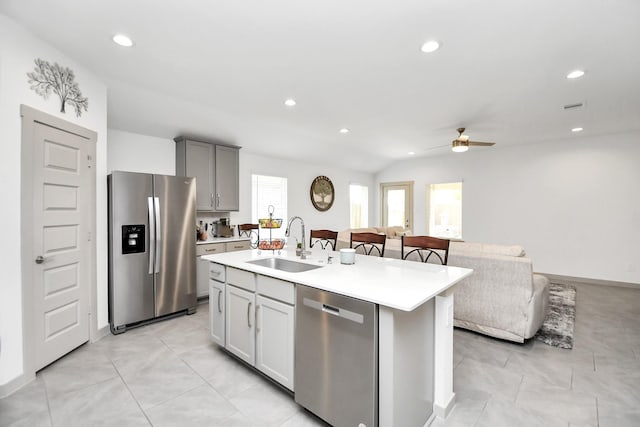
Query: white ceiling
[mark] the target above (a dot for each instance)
(222, 69)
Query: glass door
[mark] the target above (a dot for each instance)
(397, 204)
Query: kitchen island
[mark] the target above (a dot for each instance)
(414, 306)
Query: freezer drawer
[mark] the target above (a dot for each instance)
(336, 359)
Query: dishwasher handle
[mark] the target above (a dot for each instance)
(334, 311)
(330, 309)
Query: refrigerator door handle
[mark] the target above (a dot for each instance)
(152, 234)
(158, 234)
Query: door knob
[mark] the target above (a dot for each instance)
(39, 259)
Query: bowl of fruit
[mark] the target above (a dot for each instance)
(271, 245)
(270, 222)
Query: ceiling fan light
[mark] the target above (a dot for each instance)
(459, 146)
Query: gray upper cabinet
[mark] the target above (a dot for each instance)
(215, 168)
(226, 179)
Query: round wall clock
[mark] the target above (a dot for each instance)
(322, 193)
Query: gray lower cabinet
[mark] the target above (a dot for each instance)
(240, 324)
(216, 169)
(274, 339)
(217, 306)
(203, 267)
(258, 321)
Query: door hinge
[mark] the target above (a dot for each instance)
(89, 236)
(89, 161)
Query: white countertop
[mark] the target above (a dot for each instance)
(221, 240)
(402, 285)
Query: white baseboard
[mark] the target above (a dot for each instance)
(101, 333)
(443, 412)
(557, 278)
(15, 384)
(24, 379)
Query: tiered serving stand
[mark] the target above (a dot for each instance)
(270, 223)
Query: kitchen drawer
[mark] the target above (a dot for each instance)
(276, 289)
(240, 245)
(210, 248)
(242, 279)
(217, 272)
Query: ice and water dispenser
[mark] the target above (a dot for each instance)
(133, 239)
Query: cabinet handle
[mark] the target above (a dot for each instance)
(248, 317)
(219, 295)
(217, 200)
(257, 327)
(212, 250)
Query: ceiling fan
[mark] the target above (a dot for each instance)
(462, 143)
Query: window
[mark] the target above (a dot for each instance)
(358, 206)
(445, 210)
(269, 191)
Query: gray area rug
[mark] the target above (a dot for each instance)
(557, 329)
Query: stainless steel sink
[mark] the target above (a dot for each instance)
(284, 265)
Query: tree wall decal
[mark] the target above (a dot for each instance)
(47, 78)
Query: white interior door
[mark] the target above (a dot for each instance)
(397, 204)
(63, 172)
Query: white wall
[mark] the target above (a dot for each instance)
(299, 176)
(132, 152)
(572, 204)
(18, 49)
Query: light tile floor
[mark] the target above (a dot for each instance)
(169, 374)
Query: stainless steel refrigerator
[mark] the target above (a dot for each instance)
(152, 247)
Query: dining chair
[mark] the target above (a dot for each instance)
(425, 247)
(368, 243)
(324, 238)
(252, 231)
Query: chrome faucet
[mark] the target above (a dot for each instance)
(288, 232)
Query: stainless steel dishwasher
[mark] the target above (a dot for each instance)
(336, 359)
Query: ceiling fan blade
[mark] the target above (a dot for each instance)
(482, 144)
(437, 146)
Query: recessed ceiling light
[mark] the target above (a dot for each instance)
(290, 102)
(576, 130)
(575, 74)
(344, 130)
(430, 46)
(411, 153)
(122, 40)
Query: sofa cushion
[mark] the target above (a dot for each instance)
(394, 232)
(345, 235)
(487, 248)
